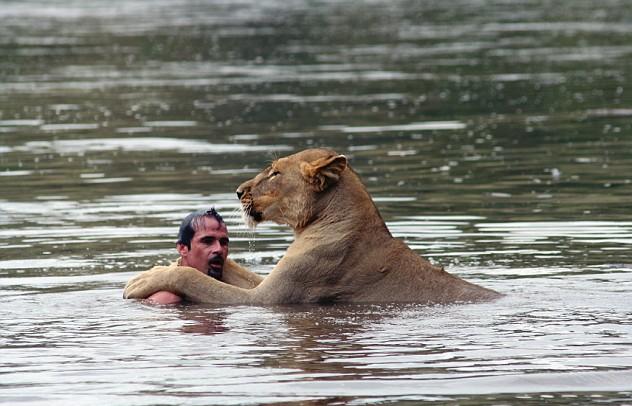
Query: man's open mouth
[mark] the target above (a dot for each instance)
(216, 262)
(215, 267)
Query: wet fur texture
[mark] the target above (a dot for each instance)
(342, 250)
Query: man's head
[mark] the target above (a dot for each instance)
(203, 242)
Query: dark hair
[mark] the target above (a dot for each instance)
(192, 223)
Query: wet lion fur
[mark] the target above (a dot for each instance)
(342, 249)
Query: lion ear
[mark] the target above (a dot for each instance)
(324, 172)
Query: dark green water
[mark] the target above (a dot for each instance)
(495, 137)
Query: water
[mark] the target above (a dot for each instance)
(495, 137)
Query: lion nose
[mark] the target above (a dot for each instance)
(243, 189)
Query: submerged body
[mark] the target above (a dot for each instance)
(342, 251)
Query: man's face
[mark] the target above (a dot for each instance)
(209, 248)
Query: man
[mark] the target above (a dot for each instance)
(203, 245)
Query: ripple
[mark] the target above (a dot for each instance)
(172, 123)
(94, 233)
(608, 113)
(133, 130)
(548, 78)
(44, 263)
(69, 127)
(107, 180)
(62, 214)
(297, 98)
(566, 26)
(19, 123)
(425, 126)
(14, 173)
(587, 231)
(184, 146)
(257, 75)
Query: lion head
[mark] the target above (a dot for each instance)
(289, 190)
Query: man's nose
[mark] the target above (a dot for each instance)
(217, 247)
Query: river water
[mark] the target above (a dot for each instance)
(495, 137)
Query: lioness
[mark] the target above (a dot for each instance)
(342, 250)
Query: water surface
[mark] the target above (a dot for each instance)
(495, 137)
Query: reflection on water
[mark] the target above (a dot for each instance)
(494, 137)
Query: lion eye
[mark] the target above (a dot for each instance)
(273, 174)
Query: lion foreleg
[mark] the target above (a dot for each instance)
(236, 275)
(188, 283)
